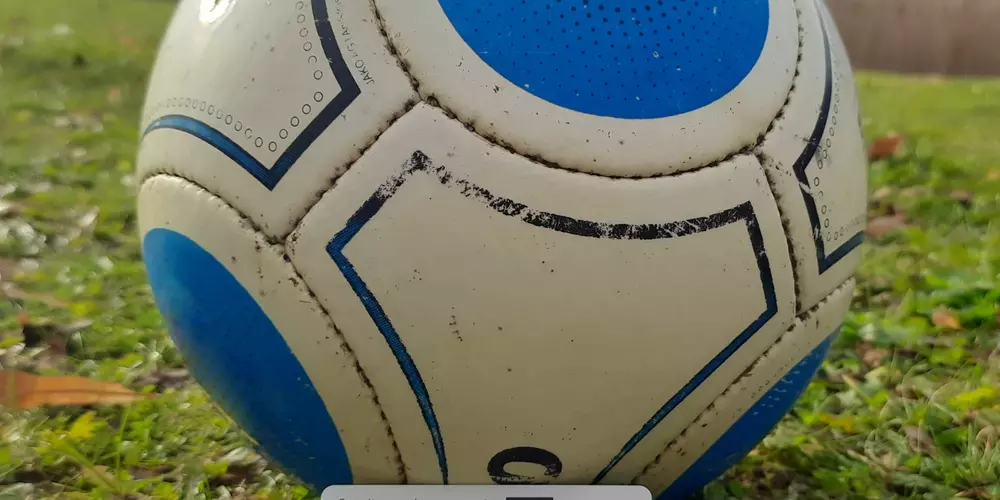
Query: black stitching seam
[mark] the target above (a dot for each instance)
(764, 160)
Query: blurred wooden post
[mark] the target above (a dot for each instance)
(950, 37)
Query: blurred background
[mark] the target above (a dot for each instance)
(955, 37)
(906, 406)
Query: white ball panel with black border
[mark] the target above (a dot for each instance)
(474, 365)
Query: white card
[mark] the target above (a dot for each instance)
(491, 492)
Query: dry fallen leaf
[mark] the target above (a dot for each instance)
(167, 378)
(20, 390)
(920, 441)
(11, 291)
(993, 175)
(963, 197)
(987, 436)
(9, 209)
(130, 43)
(871, 355)
(40, 334)
(139, 472)
(914, 192)
(976, 493)
(114, 95)
(882, 193)
(945, 318)
(879, 226)
(906, 392)
(884, 147)
(7, 269)
(238, 473)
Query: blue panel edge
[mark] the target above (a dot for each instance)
(234, 350)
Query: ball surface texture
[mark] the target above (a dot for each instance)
(504, 241)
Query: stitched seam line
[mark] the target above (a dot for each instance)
(327, 186)
(350, 164)
(701, 417)
(278, 244)
(785, 226)
(764, 160)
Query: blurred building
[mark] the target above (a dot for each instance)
(953, 37)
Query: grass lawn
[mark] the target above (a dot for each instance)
(907, 405)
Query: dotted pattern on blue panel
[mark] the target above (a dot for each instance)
(633, 59)
(241, 359)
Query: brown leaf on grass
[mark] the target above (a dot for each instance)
(167, 378)
(920, 441)
(238, 473)
(7, 269)
(30, 475)
(21, 391)
(114, 95)
(914, 192)
(882, 225)
(9, 209)
(962, 196)
(975, 493)
(884, 147)
(987, 436)
(130, 43)
(98, 475)
(871, 355)
(945, 318)
(906, 392)
(993, 175)
(140, 472)
(87, 221)
(57, 337)
(242, 465)
(10, 290)
(882, 193)
(13, 292)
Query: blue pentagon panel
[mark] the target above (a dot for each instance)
(751, 428)
(618, 58)
(237, 354)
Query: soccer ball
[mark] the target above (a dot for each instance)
(477, 242)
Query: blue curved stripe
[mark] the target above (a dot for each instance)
(336, 250)
(269, 177)
(218, 140)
